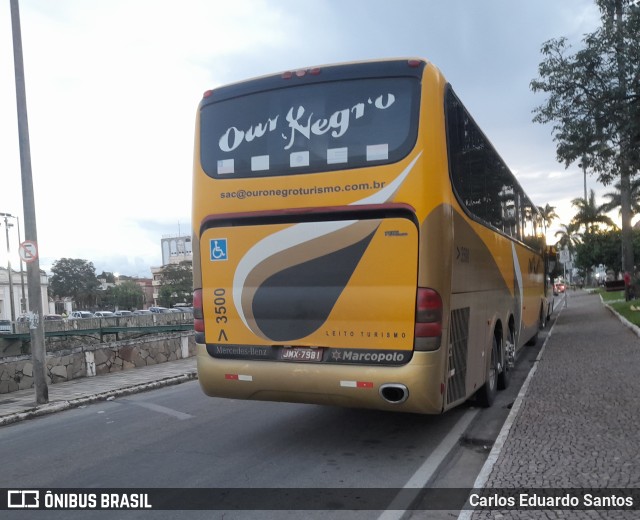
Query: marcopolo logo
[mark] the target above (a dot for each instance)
(378, 357)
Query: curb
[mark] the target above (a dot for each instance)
(496, 450)
(60, 406)
(625, 321)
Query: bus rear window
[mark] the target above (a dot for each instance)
(310, 128)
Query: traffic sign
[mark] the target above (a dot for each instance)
(28, 251)
(565, 256)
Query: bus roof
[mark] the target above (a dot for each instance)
(407, 67)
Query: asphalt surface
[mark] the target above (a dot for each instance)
(21, 405)
(574, 426)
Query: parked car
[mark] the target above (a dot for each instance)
(5, 327)
(159, 310)
(104, 314)
(52, 317)
(80, 315)
(123, 313)
(183, 309)
(142, 312)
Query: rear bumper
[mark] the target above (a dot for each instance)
(355, 386)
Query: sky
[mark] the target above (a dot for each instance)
(113, 86)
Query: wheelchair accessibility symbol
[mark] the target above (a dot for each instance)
(218, 247)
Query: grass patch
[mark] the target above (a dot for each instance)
(611, 296)
(624, 309)
(615, 299)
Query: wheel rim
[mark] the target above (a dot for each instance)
(492, 365)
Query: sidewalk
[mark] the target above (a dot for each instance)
(17, 406)
(576, 422)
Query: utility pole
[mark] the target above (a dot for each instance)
(23, 302)
(584, 173)
(36, 323)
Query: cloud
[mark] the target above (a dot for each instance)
(113, 87)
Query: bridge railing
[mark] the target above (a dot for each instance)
(115, 324)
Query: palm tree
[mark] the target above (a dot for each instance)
(568, 236)
(548, 215)
(615, 198)
(590, 214)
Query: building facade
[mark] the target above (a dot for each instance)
(175, 249)
(20, 293)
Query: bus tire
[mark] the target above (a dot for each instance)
(487, 393)
(504, 376)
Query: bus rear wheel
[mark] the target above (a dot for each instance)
(487, 394)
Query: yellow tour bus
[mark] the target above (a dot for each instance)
(357, 241)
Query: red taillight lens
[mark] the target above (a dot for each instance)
(428, 313)
(301, 73)
(198, 316)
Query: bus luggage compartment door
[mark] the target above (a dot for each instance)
(347, 283)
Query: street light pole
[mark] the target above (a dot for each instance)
(9, 270)
(36, 325)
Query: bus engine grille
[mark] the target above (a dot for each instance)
(459, 342)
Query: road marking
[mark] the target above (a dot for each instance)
(424, 473)
(162, 409)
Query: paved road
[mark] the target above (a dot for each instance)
(177, 437)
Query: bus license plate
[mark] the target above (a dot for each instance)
(307, 354)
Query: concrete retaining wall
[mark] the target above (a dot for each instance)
(16, 372)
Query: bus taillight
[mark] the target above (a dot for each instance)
(428, 319)
(301, 73)
(198, 316)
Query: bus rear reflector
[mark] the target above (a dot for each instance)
(428, 319)
(198, 316)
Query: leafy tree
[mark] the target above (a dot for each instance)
(107, 277)
(177, 284)
(594, 102)
(590, 214)
(74, 278)
(603, 247)
(128, 295)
